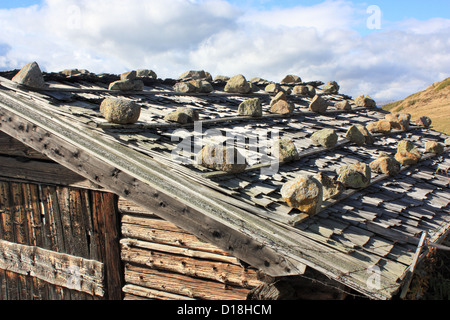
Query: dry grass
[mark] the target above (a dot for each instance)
(433, 102)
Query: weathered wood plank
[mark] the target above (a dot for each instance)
(192, 266)
(134, 292)
(164, 232)
(56, 268)
(182, 285)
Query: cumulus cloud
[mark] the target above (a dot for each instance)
(319, 42)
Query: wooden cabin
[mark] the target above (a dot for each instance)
(95, 210)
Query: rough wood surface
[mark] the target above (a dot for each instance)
(56, 268)
(64, 221)
(201, 268)
(181, 284)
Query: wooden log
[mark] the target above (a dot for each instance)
(60, 269)
(134, 292)
(181, 284)
(195, 267)
(164, 232)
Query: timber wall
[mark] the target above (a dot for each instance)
(164, 262)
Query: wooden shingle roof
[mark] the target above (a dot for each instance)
(374, 228)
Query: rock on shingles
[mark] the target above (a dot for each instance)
(120, 111)
(304, 193)
(355, 135)
(331, 88)
(196, 75)
(31, 76)
(127, 85)
(238, 84)
(291, 79)
(354, 176)
(381, 126)
(434, 147)
(399, 121)
(343, 105)
(184, 87)
(385, 164)
(331, 188)
(407, 153)
(326, 138)
(146, 73)
(282, 107)
(218, 157)
(251, 107)
(300, 90)
(365, 102)
(183, 115)
(318, 105)
(424, 122)
(285, 150)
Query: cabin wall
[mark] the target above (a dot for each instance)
(164, 262)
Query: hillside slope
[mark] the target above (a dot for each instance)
(433, 102)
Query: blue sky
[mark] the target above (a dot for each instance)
(315, 39)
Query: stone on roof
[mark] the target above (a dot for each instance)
(120, 111)
(31, 76)
(238, 84)
(304, 193)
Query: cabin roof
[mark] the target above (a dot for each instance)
(365, 232)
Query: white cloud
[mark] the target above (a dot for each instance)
(171, 36)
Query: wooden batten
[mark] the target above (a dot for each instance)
(59, 269)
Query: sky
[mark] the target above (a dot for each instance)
(386, 49)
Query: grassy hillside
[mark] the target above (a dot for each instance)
(433, 102)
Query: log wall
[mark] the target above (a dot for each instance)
(77, 225)
(164, 262)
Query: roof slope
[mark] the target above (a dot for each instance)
(375, 228)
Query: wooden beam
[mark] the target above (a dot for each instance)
(63, 270)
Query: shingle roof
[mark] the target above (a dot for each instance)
(378, 226)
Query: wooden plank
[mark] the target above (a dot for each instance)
(135, 292)
(198, 268)
(182, 285)
(59, 269)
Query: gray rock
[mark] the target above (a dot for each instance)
(183, 115)
(146, 73)
(285, 150)
(343, 105)
(331, 188)
(272, 88)
(291, 79)
(196, 75)
(331, 88)
(365, 102)
(184, 87)
(127, 85)
(356, 136)
(424, 122)
(218, 157)
(130, 75)
(120, 111)
(434, 147)
(355, 176)
(385, 164)
(318, 105)
(238, 84)
(300, 90)
(31, 76)
(304, 193)
(282, 107)
(326, 138)
(251, 107)
(407, 153)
